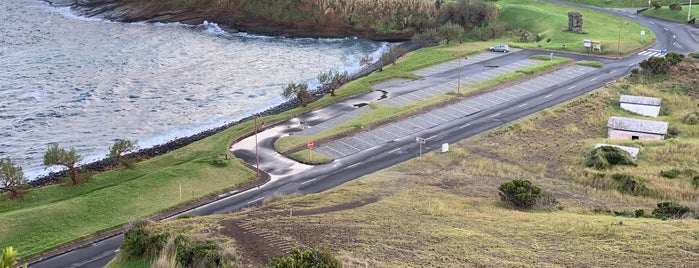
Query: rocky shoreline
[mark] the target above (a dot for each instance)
(145, 153)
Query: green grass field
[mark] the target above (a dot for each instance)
(550, 23)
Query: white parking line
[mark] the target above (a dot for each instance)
(308, 181)
(494, 115)
(464, 126)
(547, 96)
(613, 71)
(593, 79)
(651, 22)
(571, 87)
(255, 201)
(354, 165)
(431, 137)
(522, 105)
(394, 150)
(666, 29)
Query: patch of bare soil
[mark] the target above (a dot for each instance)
(257, 246)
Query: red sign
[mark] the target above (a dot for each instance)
(310, 145)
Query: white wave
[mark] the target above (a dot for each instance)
(213, 28)
(68, 13)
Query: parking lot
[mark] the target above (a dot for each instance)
(408, 127)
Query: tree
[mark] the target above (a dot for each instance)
(333, 80)
(451, 31)
(307, 259)
(59, 156)
(11, 178)
(301, 92)
(120, 147)
(522, 194)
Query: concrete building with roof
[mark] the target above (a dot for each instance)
(621, 128)
(647, 106)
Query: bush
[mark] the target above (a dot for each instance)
(695, 181)
(675, 7)
(310, 258)
(522, 194)
(640, 213)
(628, 184)
(691, 118)
(607, 156)
(670, 174)
(200, 253)
(672, 132)
(138, 243)
(670, 210)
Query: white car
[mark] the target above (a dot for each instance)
(500, 48)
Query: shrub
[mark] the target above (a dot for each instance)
(451, 31)
(138, 243)
(672, 132)
(522, 194)
(670, 174)
(695, 181)
(309, 258)
(430, 35)
(670, 210)
(640, 213)
(200, 253)
(628, 184)
(691, 118)
(607, 156)
(675, 7)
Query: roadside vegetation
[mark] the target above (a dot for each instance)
(45, 218)
(666, 10)
(472, 205)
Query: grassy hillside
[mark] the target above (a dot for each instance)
(442, 209)
(550, 23)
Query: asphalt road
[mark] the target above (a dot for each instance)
(289, 179)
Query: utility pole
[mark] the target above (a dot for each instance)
(689, 11)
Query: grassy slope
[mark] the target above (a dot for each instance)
(551, 21)
(442, 210)
(53, 215)
(678, 16)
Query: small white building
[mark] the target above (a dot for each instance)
(621, 128)
(647, 106)
(633, 151)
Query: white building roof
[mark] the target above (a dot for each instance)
(633, 151)
(637, 125)
(640, 100)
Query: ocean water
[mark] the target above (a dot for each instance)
(84, 82)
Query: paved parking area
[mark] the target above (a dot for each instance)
(361, 141)
(451, 86)
(454, 64)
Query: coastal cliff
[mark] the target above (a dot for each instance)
(391, 20)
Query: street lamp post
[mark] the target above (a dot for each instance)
(689, 11)
(257, 156)
(458, 78)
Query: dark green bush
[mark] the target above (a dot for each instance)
(522, 194)
(199, 253)
(138, 243)
(691, 118)
(670, 174)
(640, 213)
(675, 7)
(695, 181)
(670, 210)
(607, 156)
(310, 258)
(628, 184)
(672, 132)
